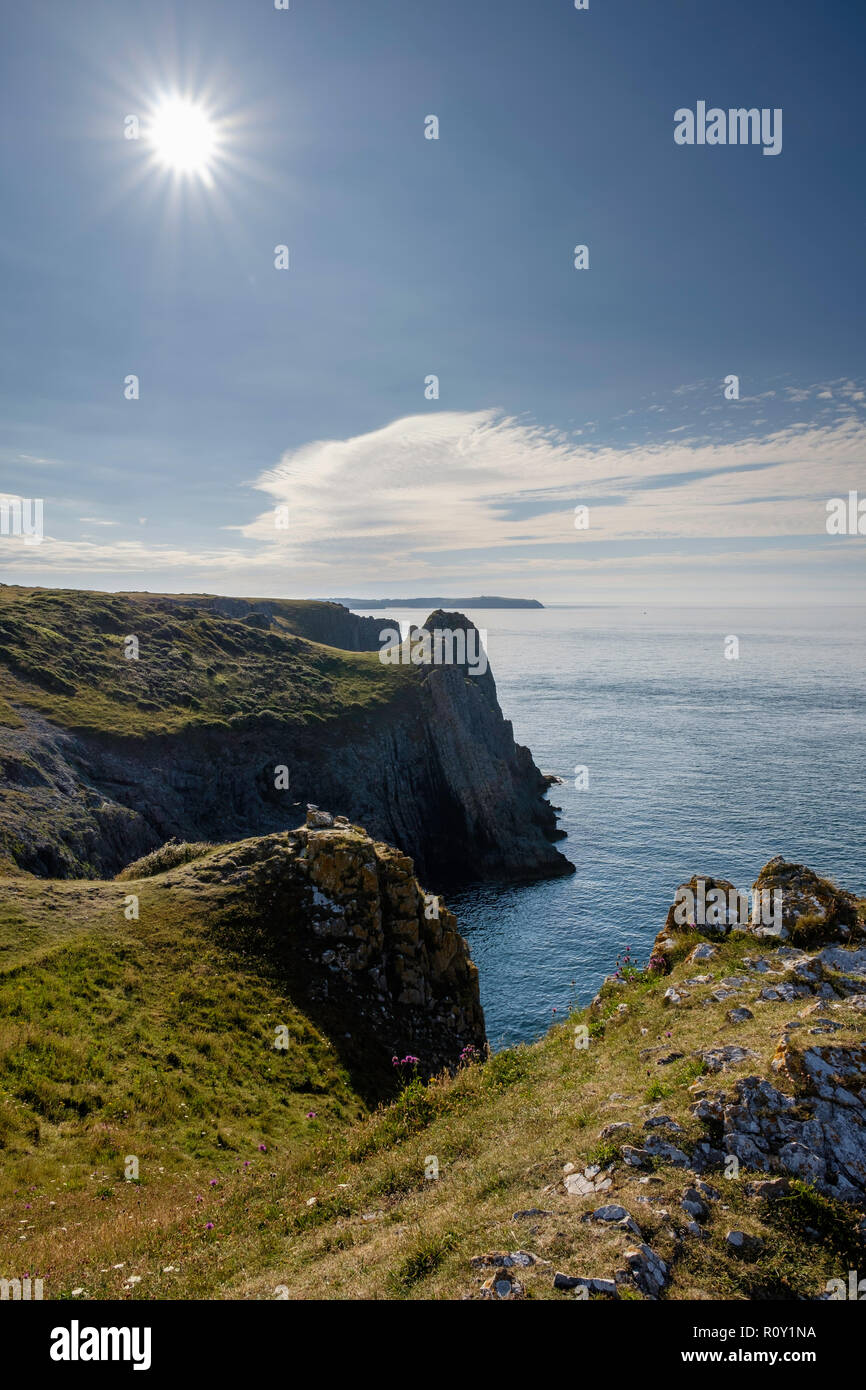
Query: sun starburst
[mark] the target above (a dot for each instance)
(183, 137)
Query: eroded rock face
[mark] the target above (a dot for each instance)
(818, 1133)
(434, 770)
(362, 947)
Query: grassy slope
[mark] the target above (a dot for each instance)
(138, 1038)
(295, 1216)
(62, 654)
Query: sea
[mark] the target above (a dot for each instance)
(689, 740)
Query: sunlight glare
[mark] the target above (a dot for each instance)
(183, 136)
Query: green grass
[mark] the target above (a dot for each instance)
(150, 1039)
(145, 1037)
(62, 653)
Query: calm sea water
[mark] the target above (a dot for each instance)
(696, 764)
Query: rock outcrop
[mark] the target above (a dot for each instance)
(786, 901)
(817, 1134)
(814, 1126)
(378, 963)
(812, 907)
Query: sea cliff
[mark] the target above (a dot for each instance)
(129, 720)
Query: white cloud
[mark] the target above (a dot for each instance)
(483, 500)
(454, 482)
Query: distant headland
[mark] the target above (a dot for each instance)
(485, 601)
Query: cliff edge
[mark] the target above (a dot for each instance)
(128, 720)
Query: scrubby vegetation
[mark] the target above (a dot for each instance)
(168, 856)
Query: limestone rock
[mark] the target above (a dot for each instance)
(783, 993)
(589, 1181)
(648, 1270)
(571, 1281)
(741, 1015)
(709, 1109)
(809, 901)
(672, 927)
(720, 1058)
(819, 1134)
(770, 1189)
(757, 964)
(502, 1286)
(611, 1212)
(502, 1259)
(727, 988)
(654, 1148)
(694, 1205)
(849, 965)
(611, 1131)
(704, 951)
(706, 1158)
(746, 1247)
(616, 1216)
(808, 905)
(342, 919)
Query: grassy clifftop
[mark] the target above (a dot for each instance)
(553, 1171)
(200, 661)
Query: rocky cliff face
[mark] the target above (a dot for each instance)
(420, 754)
(806, 1117)
(378, 963)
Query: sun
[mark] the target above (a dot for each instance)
(183, 136)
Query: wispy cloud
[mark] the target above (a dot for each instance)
(452, 481)
(484, 497)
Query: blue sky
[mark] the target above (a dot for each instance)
(305, 388)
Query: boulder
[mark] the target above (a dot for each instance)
(694, 1205)
(811, 906)
(720, 1058)
(572, 1281)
